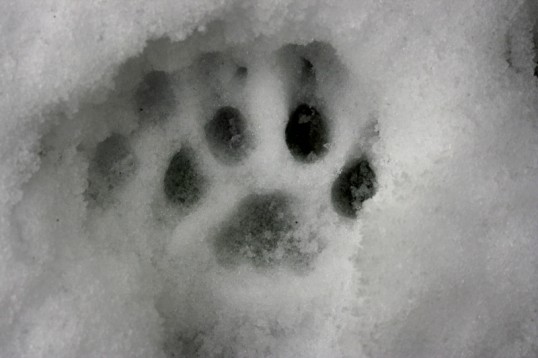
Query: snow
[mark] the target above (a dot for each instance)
(97, 260)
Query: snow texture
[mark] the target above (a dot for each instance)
(236, 178)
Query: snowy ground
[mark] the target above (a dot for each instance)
(277, 178)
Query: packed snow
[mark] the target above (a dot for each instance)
(236, 178)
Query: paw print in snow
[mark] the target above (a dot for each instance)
(264, 227)
(229, 164)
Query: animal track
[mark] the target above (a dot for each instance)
(154, 97)
(227, 136)
(112, 164)
(183, 184)
(261, 231)
(197, 140)
(307, 133)
(213, 200)
(353, 186)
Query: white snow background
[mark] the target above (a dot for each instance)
(441, 262)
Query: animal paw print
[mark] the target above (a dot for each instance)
(265, 226)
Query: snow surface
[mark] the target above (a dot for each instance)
(97, 260)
